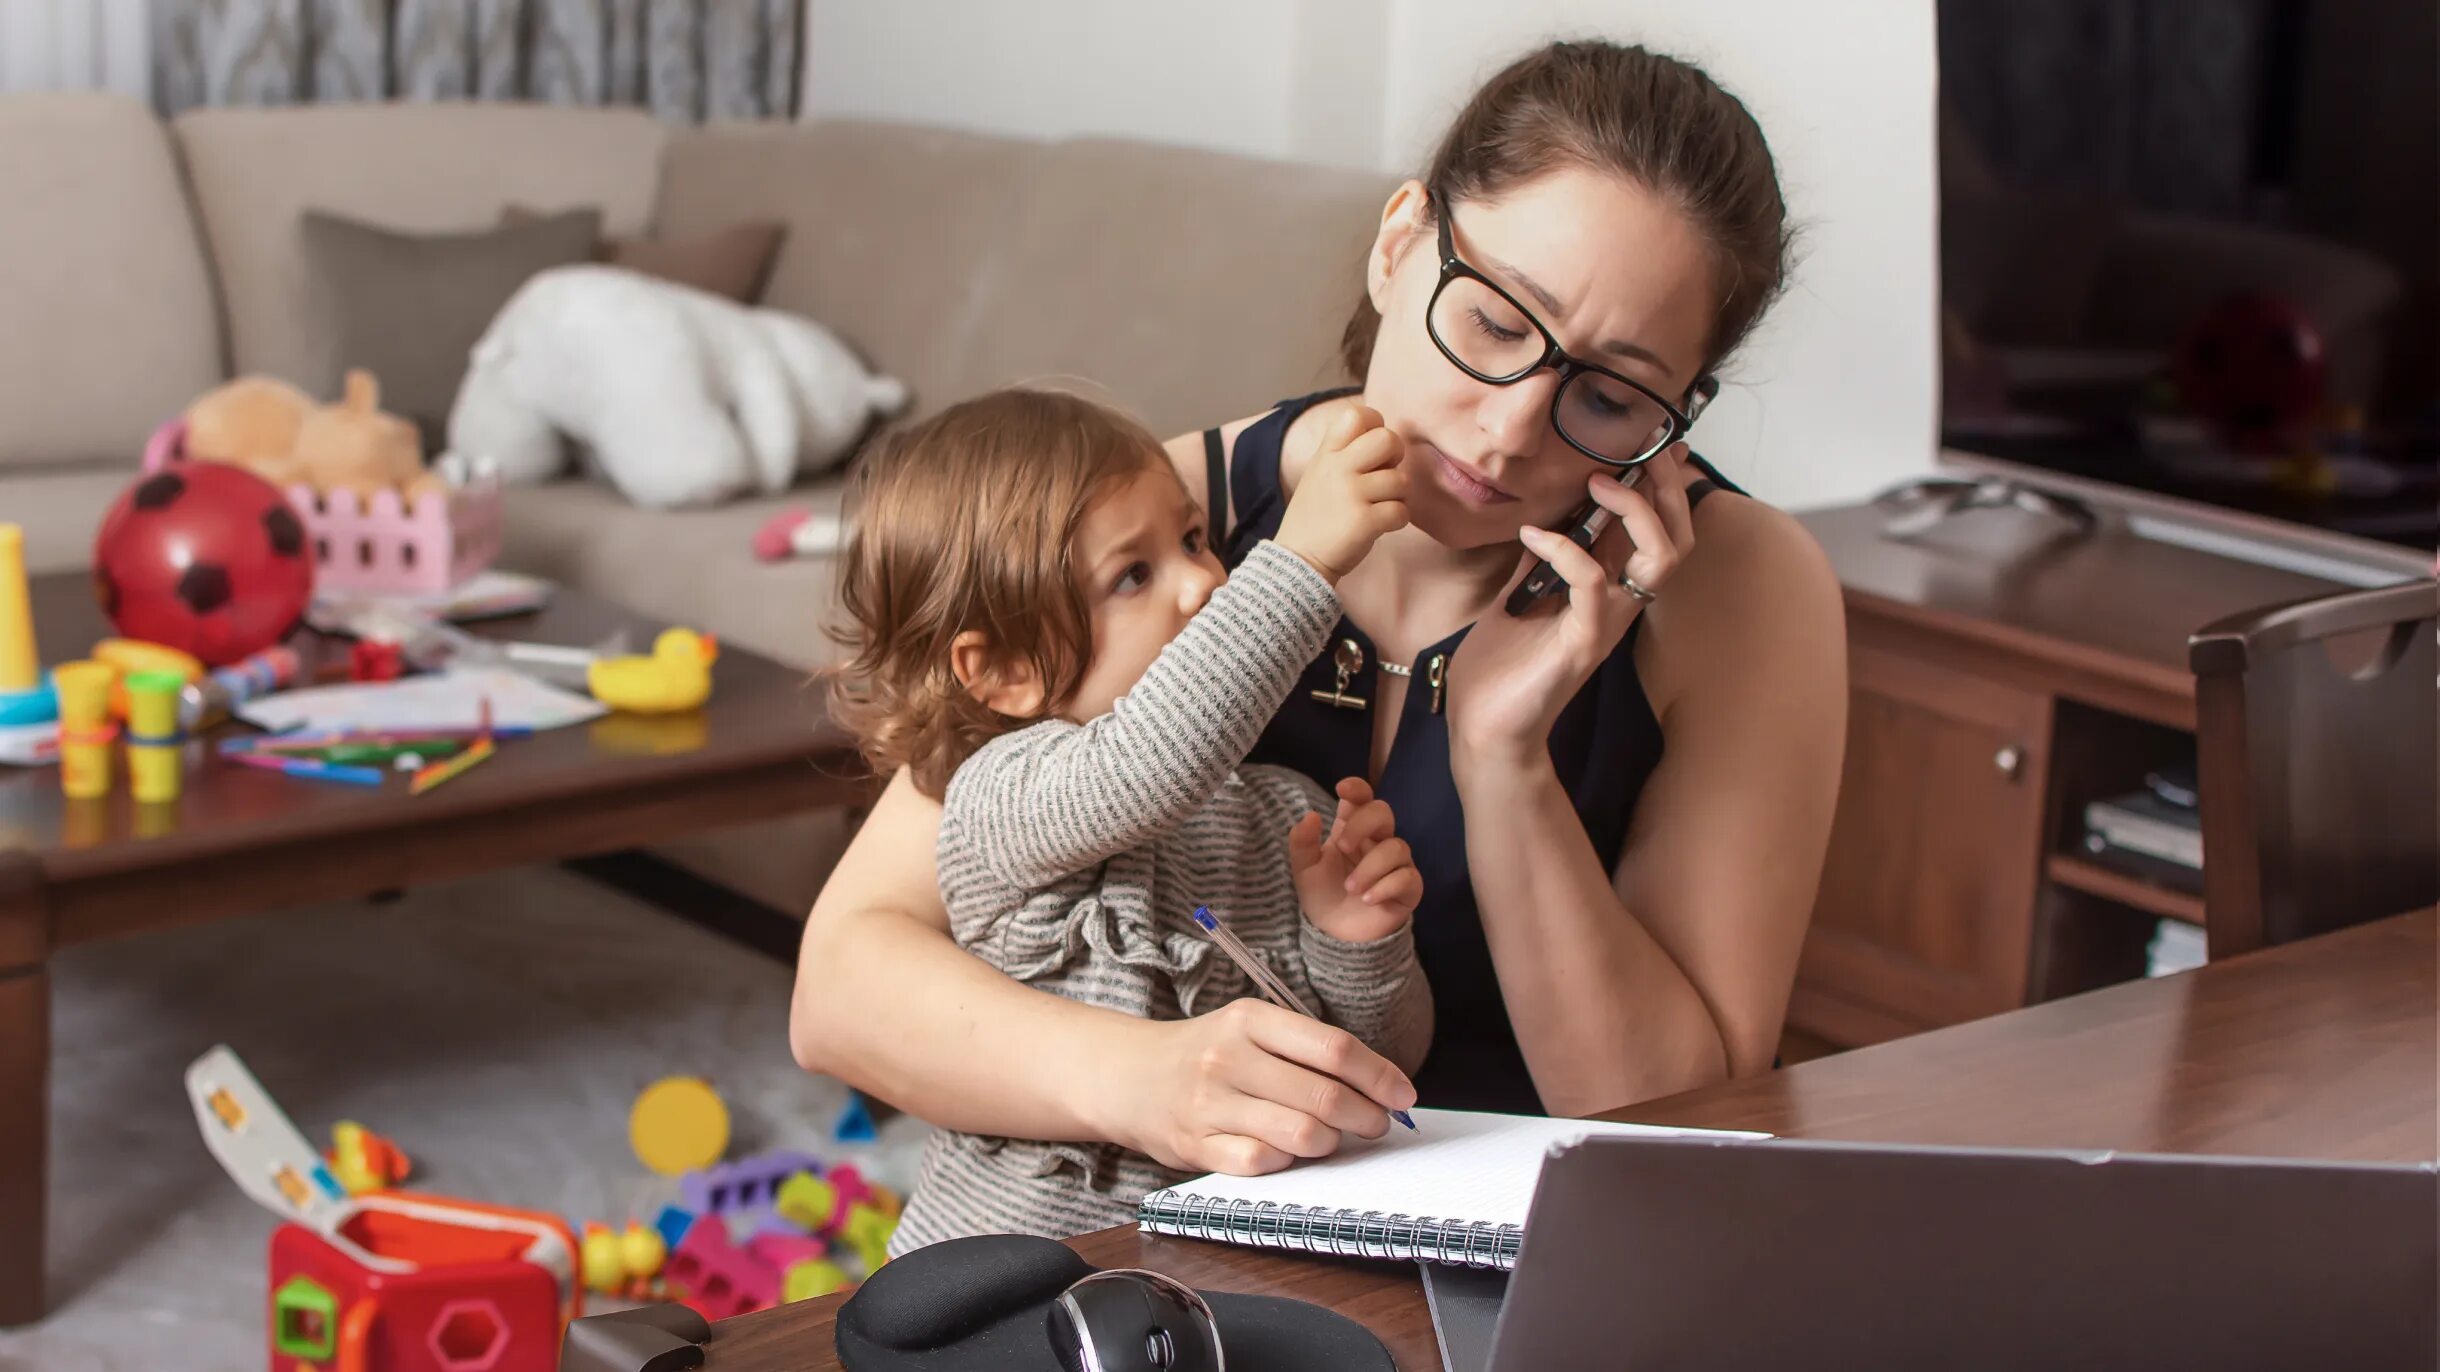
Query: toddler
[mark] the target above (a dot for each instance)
(1044, 639)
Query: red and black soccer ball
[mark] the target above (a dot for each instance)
(204, 557)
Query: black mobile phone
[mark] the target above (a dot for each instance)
(1583, 527)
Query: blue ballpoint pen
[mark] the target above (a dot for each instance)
(1273, 989)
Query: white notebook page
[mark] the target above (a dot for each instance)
(1455, 1165)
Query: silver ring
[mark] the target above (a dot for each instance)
(1641, 595)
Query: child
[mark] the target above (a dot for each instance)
(1044, 640)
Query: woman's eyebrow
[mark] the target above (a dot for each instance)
(1616, 346)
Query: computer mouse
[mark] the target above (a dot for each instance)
(1131, 1320)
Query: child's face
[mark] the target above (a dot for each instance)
(1146, 568)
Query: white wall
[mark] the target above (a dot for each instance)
(75, 45)
(1836, 396)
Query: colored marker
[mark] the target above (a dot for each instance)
(1273, 989)
(309, 767)
(439, 772)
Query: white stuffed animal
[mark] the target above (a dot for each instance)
(683, 397)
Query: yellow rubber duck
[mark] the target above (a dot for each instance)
(677, 676)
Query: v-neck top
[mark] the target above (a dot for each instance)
(1605, 744)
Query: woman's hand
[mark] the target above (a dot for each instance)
(1512, 675)
(1248, 1089)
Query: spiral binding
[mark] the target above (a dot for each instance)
(1342, 1233)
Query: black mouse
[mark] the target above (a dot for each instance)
(1131, 1320)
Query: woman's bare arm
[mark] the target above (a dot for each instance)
(1674, 970)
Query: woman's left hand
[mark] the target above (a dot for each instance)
(1512, 675)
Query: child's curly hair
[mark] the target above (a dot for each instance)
(964, 522)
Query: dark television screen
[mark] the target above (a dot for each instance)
(2192, 247)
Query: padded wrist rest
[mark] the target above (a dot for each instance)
(982, 1304)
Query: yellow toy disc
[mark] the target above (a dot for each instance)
(679, 1125)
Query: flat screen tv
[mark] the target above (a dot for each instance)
(2190, 262)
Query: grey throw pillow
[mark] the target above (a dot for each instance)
(409, 307)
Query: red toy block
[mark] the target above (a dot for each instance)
(784, 1251)
(718, 1278)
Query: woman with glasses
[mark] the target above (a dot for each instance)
(1618, 791)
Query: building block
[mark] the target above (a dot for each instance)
(855, 1124)
(746, 1184)
(808, 1202)
(718, 1278)
(784, 1251)
(806, 1280)
(673, 1224)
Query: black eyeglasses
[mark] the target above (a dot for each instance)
(1614, 420)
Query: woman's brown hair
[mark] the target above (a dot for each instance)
(964, 522)
(1655, 120)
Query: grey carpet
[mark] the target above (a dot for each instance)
(497, 1029)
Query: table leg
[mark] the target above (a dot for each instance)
(25, 1086)
(25, 1123)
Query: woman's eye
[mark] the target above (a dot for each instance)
(1194, 543)
(1137, 576)
(1484, 322)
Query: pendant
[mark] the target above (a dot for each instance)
(1436, 676)
(1346, 660)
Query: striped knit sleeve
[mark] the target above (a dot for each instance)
(1046, 802)
(1375, 991)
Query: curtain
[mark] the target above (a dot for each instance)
(685, 60)
(53, 45)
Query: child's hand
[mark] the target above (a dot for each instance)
(1353, 492)
(1359, 882)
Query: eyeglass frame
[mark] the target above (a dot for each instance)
(1569, 366)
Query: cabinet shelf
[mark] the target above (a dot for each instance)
(2093, 879)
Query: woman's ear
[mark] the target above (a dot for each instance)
(1013, 689)
(1401, 223)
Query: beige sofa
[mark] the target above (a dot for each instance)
(141, 262)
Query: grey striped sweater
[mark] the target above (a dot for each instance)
(1072, 857)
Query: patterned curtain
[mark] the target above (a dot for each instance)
(685, 60)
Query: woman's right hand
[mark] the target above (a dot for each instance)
(1353, 492)
(1249, 1089)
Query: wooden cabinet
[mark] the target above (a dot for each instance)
(2002, 673)
(1926, 908)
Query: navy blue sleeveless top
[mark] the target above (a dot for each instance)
(1604, 745)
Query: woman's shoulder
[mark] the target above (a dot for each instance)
(1308, 418)
(1757, 593)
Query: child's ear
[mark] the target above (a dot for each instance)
(1013, 689)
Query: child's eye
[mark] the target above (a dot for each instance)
(1137, 576)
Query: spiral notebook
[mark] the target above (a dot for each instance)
(1455, 1190)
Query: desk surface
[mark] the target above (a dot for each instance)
(2322, 1049)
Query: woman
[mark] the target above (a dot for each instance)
(1619, 800)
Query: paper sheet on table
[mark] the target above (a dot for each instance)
(444, 700)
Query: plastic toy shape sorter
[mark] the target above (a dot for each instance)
(387, 1281)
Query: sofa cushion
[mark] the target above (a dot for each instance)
(1196, 286)
(107, 323)
(691, 567)
(732, 262)
(409, 307)
(61, 509)
(893, 230)
(413, 167)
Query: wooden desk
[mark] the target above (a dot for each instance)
(2322, 1049)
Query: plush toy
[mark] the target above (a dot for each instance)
(250, 422)
(353, 446)
(681, 396)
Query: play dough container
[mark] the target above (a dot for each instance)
(152, 734)
(84, 727)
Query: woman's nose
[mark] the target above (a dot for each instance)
(1513, 416)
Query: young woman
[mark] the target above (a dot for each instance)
(1618, 800)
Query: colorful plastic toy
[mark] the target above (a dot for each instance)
(153, 738)
(24, 698)
(783, 1251)
(85, 729)
(747, 1184)
(385, 1282)
(816, 1277)
(208, 559)
(718, 1278)
(677, 676)
(678, 1125)
(365, 1161)
(855, 1123)
(671, 1224)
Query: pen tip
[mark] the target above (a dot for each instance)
(1403, 1118)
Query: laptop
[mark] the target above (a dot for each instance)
(1662, 1253)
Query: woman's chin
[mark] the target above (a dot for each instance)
(1463, 528)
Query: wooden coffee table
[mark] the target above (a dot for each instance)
(239, 841)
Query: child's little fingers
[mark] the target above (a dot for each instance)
(1402, 889)
(1385, 858)
(1364, 826)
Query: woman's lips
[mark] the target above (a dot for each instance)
(1465, 483)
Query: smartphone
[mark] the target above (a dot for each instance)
(1582, 527)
